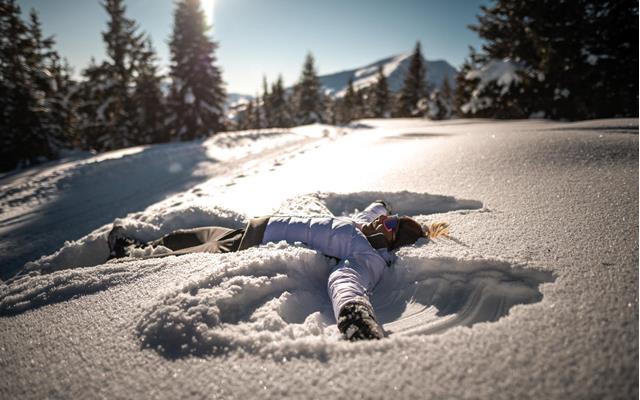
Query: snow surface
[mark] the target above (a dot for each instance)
(535, 295)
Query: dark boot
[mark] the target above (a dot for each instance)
(357, 322)
(119, 242)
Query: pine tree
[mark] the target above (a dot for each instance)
(61, 103)
(576, 59)
(92, 100)
(197, 96)
(122, 41)
(359, 103)
(331, 110)
(379, 100)
(107, 106)
(149, 98)
(279, 106)
(441, 102)
(266, 105)
(258, 113)
(465, 86)
(347, 110)
(246, 117)
(29, 132)
(308, 97)
(52, 83)
(250, 117)
(414, 88)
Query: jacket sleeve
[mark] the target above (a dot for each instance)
(353, 280)
(370, 213)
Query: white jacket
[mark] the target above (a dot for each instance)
(360, 267)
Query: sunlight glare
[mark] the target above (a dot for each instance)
(207, 7)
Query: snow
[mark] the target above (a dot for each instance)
(560, 93)
(189, 98)
(43, 207)
(537, 292)
(503, 72)
(592, 59)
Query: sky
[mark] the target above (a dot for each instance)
(259, 38)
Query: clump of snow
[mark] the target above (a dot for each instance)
(593, 59)
(559, 93)
(503, 72)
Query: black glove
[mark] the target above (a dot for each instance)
(357, 322)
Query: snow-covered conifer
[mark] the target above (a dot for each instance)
(441, 102)
(266, 105)
(536, 61)
(280, 112)
(107, 106)
(414, 88)
(29, 133)
(121, 39)
(379, 100)
(148, 97)
(196, 99)
(308, 99)
(347, 107)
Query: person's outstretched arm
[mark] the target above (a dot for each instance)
(373, 211)
(349, 286)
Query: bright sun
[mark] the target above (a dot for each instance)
(207, 6)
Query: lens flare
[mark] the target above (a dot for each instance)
(208, 7)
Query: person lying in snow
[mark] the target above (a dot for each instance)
(362, 245)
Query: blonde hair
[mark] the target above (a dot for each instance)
(436, 230)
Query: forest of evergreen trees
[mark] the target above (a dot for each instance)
(119, 102)
(308, 103)
(575, 59)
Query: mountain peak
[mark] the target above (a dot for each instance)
(394, 68)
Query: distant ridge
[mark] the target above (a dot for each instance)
(394, 68)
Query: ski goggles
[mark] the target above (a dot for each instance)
(391, 223)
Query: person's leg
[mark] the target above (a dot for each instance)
(202, 240)
(206, 240)
(197, 240)
(183, 238)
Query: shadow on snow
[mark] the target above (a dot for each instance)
(93, 195)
